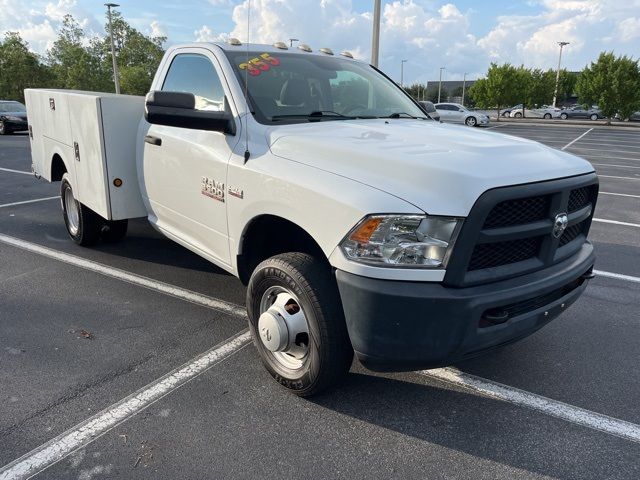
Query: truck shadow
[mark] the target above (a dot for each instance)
(485, 428)
(145, 244)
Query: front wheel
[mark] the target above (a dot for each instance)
(594, 116)
(83, 224)
(518, 115)
(297, 323)
(547, 116)
(471, 121)
(4, 130)
(564, 116)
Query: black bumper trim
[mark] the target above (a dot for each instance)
(401, 326)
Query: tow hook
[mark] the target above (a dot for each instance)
(588, 275)
(496, 317)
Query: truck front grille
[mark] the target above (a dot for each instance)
(509, 231)
(515, 212)
(489, 255)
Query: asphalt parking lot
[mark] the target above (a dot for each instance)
(93, 341)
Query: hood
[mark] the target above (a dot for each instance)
(441, 169)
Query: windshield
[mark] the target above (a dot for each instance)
(12, 107)
(297, 87)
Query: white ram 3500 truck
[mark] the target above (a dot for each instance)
(358, 223)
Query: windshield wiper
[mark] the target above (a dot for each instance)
(317, 115)
(401, 114)
(320, 115)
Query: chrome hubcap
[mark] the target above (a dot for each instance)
(283, 328)
(73, 213)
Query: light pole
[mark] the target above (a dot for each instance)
(555, 92)
(116, 80)
(464, 86)
(291, 40)
(375, 38)
(402, 62)
(440, 83)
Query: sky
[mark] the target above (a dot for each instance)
(464, 36)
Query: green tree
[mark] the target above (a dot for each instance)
(612, 83)
(538, 87)
(73, 64)
(19, 68)
(500, 87)
(566, 85)
(138, 55)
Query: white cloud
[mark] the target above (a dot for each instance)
(38, 22)
(156, 29)
(589, 26)
(205, 34)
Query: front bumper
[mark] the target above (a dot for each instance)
(15, 126)
(401, 326)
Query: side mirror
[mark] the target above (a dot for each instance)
(177, 109)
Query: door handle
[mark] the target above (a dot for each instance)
(153, 140)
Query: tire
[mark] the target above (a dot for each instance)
(83, 224)
(518, 115)
(298, 280)
(594, 117)
(471, 122)
(564, 116)
(4, 130)
(547, 116)
(113, 231)
(506, 114)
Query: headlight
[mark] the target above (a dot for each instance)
(14, 119)
(416, 241)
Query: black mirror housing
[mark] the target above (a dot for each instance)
(177, 109)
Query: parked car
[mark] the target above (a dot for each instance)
(430, 109)
(579, 111)
(13, 117)
(507, 111)
(545, 111)
(456, 113)
(635, 117)
(318, 202)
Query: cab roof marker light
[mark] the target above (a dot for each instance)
(326, 51)
(234, 41)
(304, 47)
(346, 54)
(281, 45)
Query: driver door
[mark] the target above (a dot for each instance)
(184, 169)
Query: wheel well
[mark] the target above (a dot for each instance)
(268, 235)
(58, 168)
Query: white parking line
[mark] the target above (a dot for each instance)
(624, 178)
(497, 126)
(619, 194)
(86, 432)
(551, 407)
(28, 201)
(575, 140)
(15, 171)
(618, 276)
(615, 222)
(611, 151)
(611, 165)
(188, 295)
